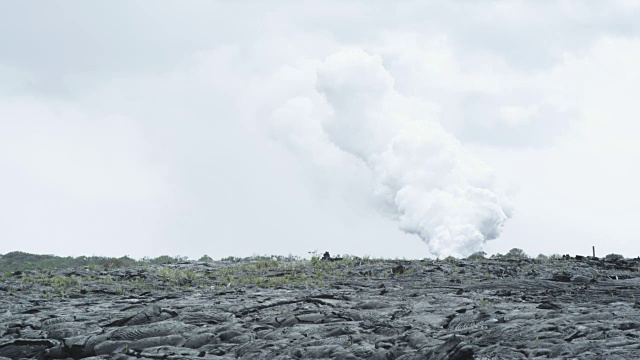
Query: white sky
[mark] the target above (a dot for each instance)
(144, 128)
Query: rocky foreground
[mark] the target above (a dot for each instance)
(583, 308)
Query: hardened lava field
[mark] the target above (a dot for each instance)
(347, 308)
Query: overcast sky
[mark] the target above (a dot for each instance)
(395, 128)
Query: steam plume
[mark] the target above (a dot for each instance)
(423, 177)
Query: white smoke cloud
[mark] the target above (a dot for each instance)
(423, 177)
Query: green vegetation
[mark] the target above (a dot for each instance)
(20, 261)
(513, 254)
(516, 253)
(614, 257)
(484, 303)
(277, 271)
(480, 255)
(67, 276)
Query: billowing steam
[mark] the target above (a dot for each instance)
(423, 177)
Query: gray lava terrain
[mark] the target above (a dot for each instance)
(583, 308)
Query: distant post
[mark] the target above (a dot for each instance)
(594, 251)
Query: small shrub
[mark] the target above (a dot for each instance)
(111, 263)
(205, 258)
(516, 253)
(266, 264)
(480, 255)
(315, 260)
(164, 259)
(614, 257)
(231, 259)
(542, 257)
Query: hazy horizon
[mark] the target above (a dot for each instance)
(320, 254)
(409, 130)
